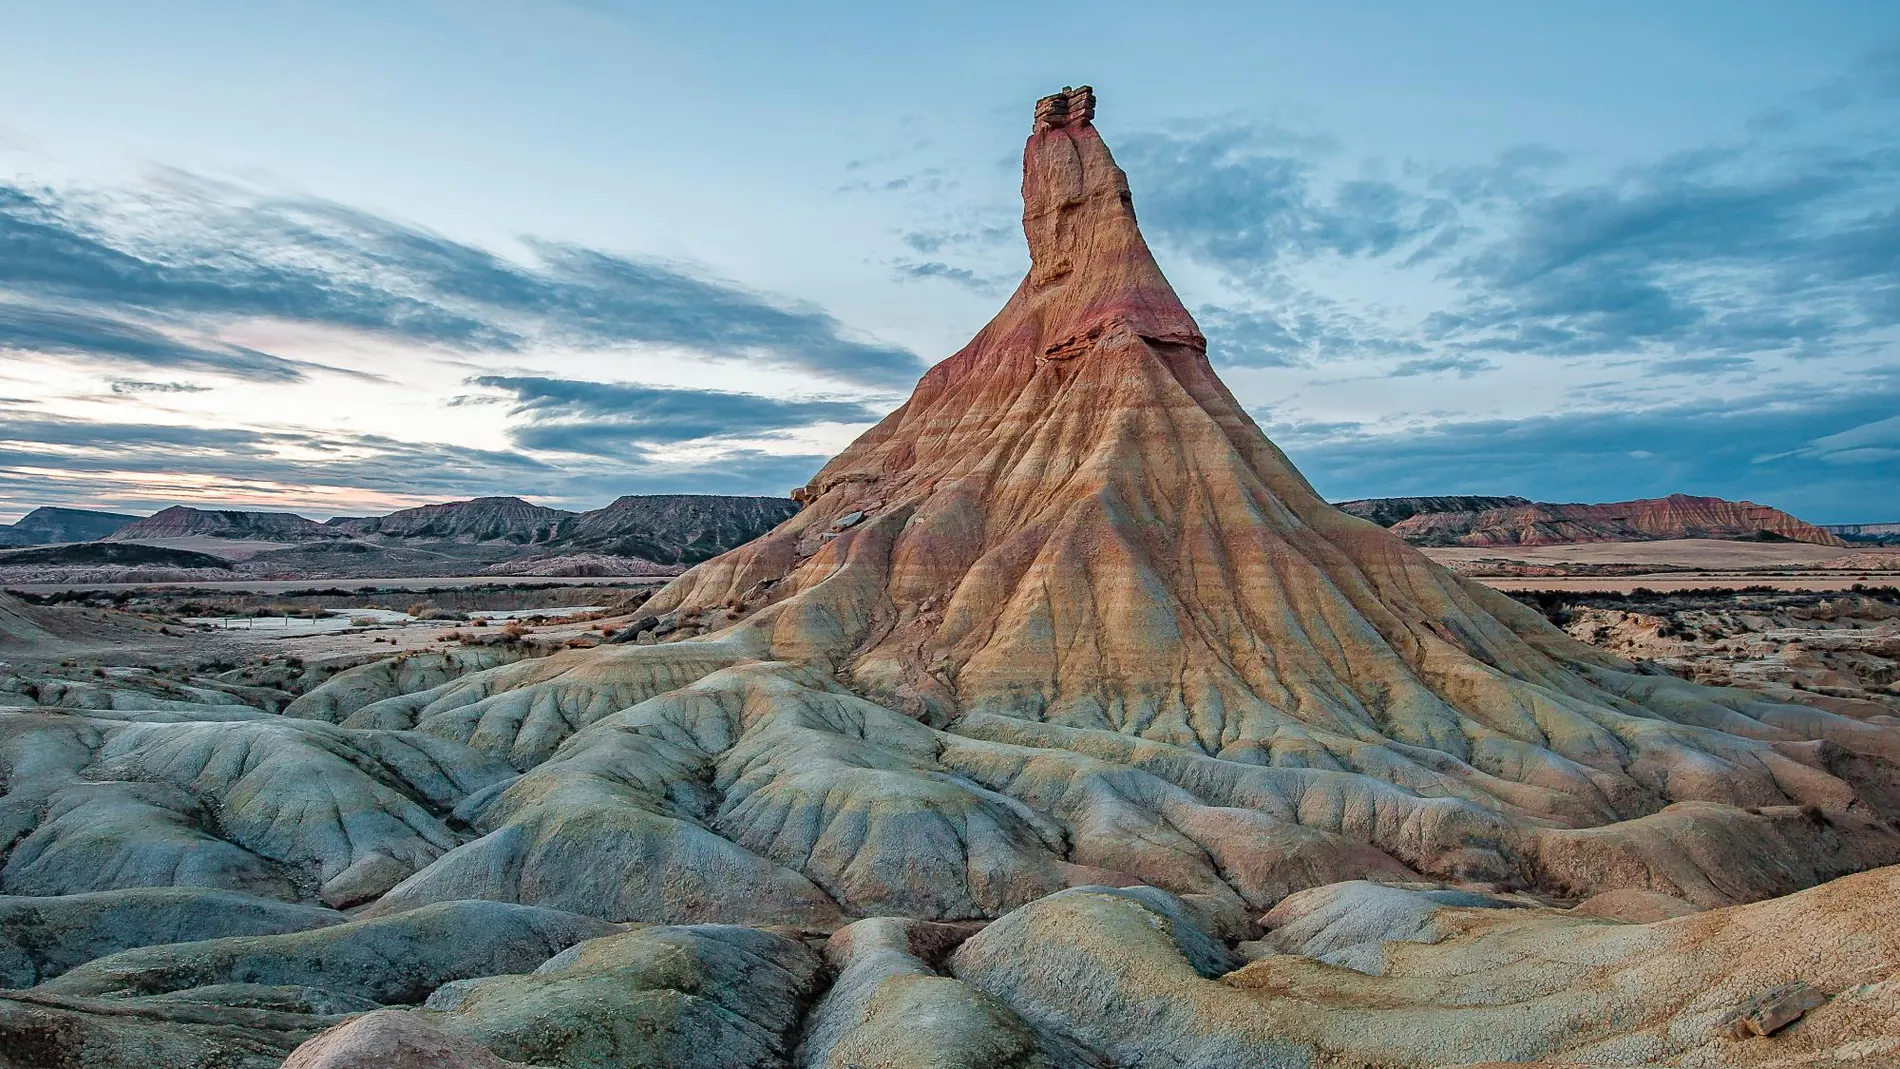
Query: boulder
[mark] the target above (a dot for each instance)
(1775, 1009)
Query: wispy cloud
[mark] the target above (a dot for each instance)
(1827, 455)
(1463, 366)
(1727, 251)
(1774, 243)
(1248, 196)
(135, 386)
(911, 270)
(609, 419)
(99, 336)
(119, 276)
(57, 461)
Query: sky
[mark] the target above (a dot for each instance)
(344, 258)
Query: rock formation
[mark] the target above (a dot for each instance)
(1386, 511)
(181, 521)
(995, 754)
(1517, 522)
(673, 528)
(48, 526)
(1879, 533)
(485, 519)
(636, 535)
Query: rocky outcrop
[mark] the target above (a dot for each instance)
(638, 535)
(1386, 511)
(181, 521)
(485, 519)
(1858, 533)
(672, 528)
(1531, 523)
(1839, 651)
(48, 526)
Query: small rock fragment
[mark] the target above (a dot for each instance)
(1775, 1009)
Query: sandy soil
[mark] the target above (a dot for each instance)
(282, 586)
(228, 548)
(1668, 581)
(356, 643)
(1702, 553)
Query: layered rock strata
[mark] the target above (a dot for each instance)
(998, 752)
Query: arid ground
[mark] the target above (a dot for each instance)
(1062, 726)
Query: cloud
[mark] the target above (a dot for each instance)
(1714, 252)
(51, 330)
(1826, 455)
(908, 270)
(1248, 197)
(100, 273)
(49, 460)
(607, 419)
(134, 386)
(1463, 366)
(150, 462)
(1704, 366)
(1763, 246)
(971, 236)
(1302, 329)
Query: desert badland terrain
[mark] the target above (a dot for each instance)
(1063, 725)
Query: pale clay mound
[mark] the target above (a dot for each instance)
(991, 756)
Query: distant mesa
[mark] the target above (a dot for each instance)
(182, 521)
(636, 535)
(1878, 533)
(673, 528)
(1515, 521)
(1387, 511)
(49, 525)
(484, 519)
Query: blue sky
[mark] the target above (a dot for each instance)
(349, 257)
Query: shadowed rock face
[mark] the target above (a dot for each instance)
(673, 528)
(485, 519)
(1063, 641)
